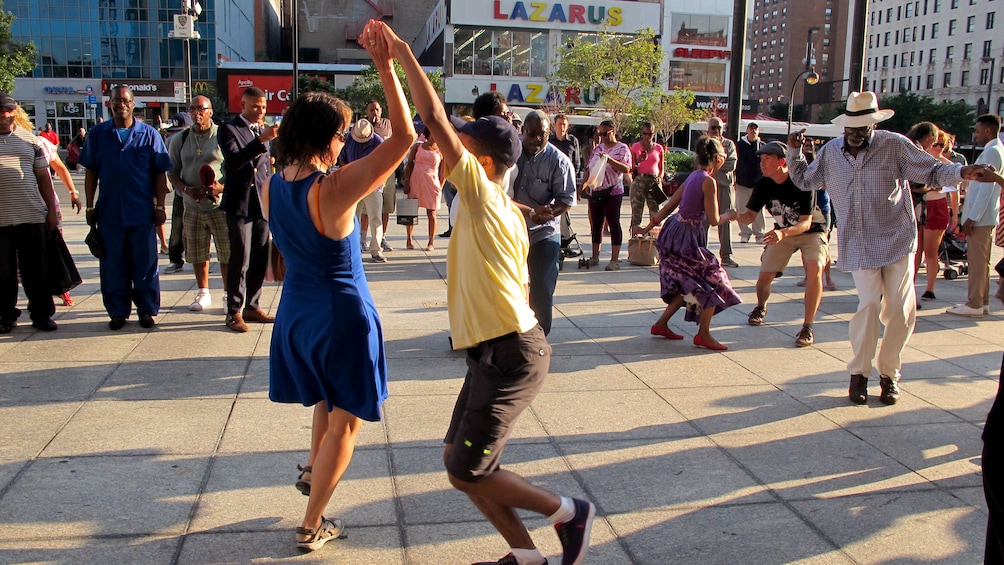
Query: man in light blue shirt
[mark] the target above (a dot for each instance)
(979, 217)
(544, 189)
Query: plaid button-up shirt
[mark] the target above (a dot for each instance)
(870, 193)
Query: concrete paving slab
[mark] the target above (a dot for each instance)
(677, 473)
(806, 364)
(423, 376)
(720, 409)
(361, 545)
(622, 414)
(47, 381)
(142, 427)
(258, 425)
(589, 372)
(213, 340)
(946, 454)
(423, 421)
(131, 549)
(968, 398)
(830, 401)
(95, 345)
(28, 428)
(174, 379)
(928, 526)
(99, 496)
(684, 370)
(259, 488)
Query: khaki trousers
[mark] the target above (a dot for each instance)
(978, 252)
(885, 295)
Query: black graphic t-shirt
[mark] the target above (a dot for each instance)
(787, 203)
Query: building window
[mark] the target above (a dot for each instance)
(885, 61)
(934, 31)
(883, 83)
(902, 83)
(909, 9)
(947, 82)
(937, 6)
(970, 24)
(930, 82)
(886, 38)
(699, 29)
(990, 20)
(949, 53)
(967, 52)
(955, 4)
(931, 55)
(987, 47)
(951, 27)
(502, 52)
(984, 76)
(964, 80)
(699, 76)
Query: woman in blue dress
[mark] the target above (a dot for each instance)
(327, 344)
(687, 269)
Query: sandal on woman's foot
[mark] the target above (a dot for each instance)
(312, 540)
(303, 485)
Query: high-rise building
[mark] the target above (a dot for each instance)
(85, 46)
(945, 49)
(787, 37)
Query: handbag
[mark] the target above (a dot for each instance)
(655, 191)
(275, 269)
(642, 251)
(596, 172)
(407, 211)
(598, 197)
(95, 243)
(61, 274)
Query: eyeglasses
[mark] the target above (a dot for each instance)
(715, 128)
(863, 130)
(647, 133)
(198, 109)
(123, 101)
(341, 134)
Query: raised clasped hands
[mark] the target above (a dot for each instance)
(374, 40)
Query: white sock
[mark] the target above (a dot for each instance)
(527, 556)
(564, 513)
(204, 290)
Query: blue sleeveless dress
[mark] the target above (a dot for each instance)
(327, 343)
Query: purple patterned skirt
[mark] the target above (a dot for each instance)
(686, 266)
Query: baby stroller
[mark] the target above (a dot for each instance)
(953, 253)
(569, 242)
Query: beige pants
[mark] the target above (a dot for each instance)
(978, 253)
(886, 296)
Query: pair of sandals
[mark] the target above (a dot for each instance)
(313, 539)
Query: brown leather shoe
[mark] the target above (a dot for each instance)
(257, 316)
(236, 323)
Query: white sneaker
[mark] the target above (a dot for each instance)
(386, 246)
(963, 310)
(378, 257)
(986, 309)
(202, 301)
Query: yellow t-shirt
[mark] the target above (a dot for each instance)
(486, 262)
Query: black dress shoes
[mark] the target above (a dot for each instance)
(117, 323)
(858, 391)
(890, 391)
(146, 320)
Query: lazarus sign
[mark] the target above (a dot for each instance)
(541, 93)
(278, 90)
(559, 12)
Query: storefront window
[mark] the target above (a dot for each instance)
(697, 76)
(498, 52)
(695, 29)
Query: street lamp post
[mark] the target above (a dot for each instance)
(990, 83)
(810, 77)
(184, 29)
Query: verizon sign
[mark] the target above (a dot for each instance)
(278, 90)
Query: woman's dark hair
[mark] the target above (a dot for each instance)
(705, 151)
(921, 130)
(489, 104)
(306, 131)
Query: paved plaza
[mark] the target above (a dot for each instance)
(161, 446)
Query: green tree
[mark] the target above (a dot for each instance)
(669, 112)
(625, 68)
(367, 87)
(955, 117)
(307, 83)
(16, 59)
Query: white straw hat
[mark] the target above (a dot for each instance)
(862, 110)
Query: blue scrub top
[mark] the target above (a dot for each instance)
(126, 171)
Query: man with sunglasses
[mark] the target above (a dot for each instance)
(126, 161)
(867, 174)
(191, 151)
(725, 177)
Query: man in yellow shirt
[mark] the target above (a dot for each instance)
(507, 354)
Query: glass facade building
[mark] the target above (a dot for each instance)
(112, 39)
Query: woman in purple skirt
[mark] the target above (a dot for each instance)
(688, 271)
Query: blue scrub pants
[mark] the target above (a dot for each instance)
(542, 263)
(129, 270)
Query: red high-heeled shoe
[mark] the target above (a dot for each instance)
(701, 343)
(665, 332)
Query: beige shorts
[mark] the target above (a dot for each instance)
(812, 245)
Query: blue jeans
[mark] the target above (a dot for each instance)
(542, 263)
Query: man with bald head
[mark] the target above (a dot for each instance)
(191, 150)
(543, 191)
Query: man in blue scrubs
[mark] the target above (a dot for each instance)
(128, 160)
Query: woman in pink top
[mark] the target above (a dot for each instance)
(648, 161)
(423, 180)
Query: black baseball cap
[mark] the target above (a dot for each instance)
(775, 148)
(493, 132)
